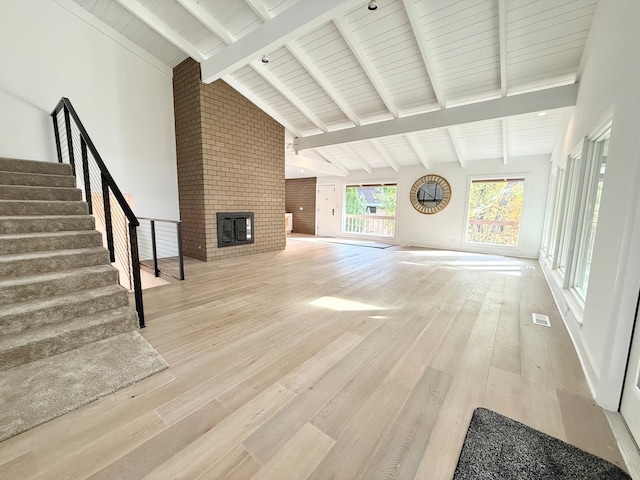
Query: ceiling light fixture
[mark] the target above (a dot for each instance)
(372, 5)
(542, 114)
(264, 59)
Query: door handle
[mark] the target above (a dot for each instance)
(333, 210)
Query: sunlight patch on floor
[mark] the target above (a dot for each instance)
(343, 305)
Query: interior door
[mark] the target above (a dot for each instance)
(326, 210)
(630, 406)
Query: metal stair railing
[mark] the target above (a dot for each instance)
(105, 200)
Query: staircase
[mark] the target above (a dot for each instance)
(62, 312)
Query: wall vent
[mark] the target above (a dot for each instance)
(540, 319)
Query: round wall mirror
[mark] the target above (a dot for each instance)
(430, 194)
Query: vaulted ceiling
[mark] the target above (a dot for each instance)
(412, 82)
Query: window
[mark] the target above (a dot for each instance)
(370, 209)
(495, 209)
(594, 180)
(575, 214)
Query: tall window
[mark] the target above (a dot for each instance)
(495, 210)
(575, 216)
(594, 180)
(370, 209)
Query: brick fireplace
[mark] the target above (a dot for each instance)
(230, 158)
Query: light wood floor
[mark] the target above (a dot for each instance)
(327, 361)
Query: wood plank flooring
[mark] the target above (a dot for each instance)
(327, 361)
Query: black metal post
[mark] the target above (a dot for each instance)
(156, 271)
(56, 132)
(85, 172)
(108, 226)
(135, 264)
(180, 257)
(67, 124)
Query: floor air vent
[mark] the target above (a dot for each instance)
(540, 319)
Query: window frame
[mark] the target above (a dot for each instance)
(372, 236)
(465, 223)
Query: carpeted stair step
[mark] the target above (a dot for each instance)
(12, 208)
(15, 290)
(28, 264)
(48, 241)
(51, 223)
(42, 390)
(47, 340)
(28, 192)
(37, 179)
(33, 166)
(17, 317)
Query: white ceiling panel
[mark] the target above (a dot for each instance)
(254, 82)
(400, 150)
(533, 134)
(437, 145)
(545, 40)
(340, 74)
(296, 78)
(464, 43)
(388, 40)
(327, 48)
(480, 140)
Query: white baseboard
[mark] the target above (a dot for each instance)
(626, 443)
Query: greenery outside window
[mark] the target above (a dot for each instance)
(370, 209)
(495, 211)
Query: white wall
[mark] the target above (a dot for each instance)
(446, 229)
(125, 103)
(610, 79)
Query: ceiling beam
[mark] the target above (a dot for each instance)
(301, 17)
(414, 16)
(502, 28)
(457, 147)
(366, 64)
(260, 9)
(329, 158)
(162, 28)
(505, 152)
(549, 99)
(204, 17)
(275, 82)
(420, 153)
(247, 93)
(321, 80)
(357, 158)
(384, 154)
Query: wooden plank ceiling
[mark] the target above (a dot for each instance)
(336, 66)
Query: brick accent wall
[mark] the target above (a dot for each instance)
(301, 192)
(230, 159)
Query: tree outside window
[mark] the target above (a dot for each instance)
(495, 210)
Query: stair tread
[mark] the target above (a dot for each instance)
(66, 299)
(53, 253)
(44, 277)
(32, 335)
(8, 200)
(65, 233)
(44, 389)
(34, 166)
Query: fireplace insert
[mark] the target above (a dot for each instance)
(235, 228)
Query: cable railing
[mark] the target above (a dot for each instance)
(160, 246)
(114, 217)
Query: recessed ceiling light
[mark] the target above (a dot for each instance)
(542, 114)
(302, 170)
(372, 5)
(264, 59)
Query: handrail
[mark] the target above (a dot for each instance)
(65, 102)
(167, 246)
(107, 188)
